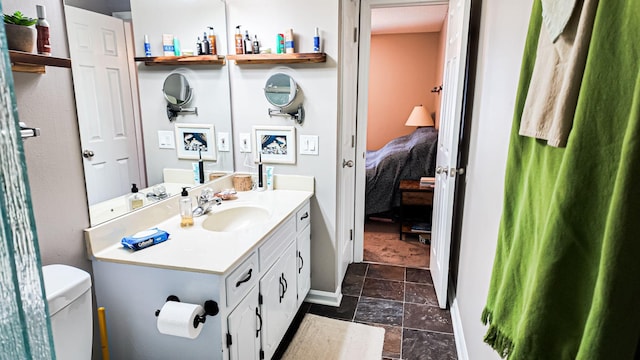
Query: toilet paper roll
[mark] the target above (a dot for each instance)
(176, 318)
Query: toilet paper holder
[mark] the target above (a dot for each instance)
(210, 308)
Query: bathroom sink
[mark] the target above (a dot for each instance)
(235, 218)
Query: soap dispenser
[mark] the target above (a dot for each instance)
(186, 214)
(135, 199)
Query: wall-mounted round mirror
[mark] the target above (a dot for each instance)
(176, 89)
(281, 91)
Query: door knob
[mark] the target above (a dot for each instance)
(87, 154)
(442, 170)
(458, 171)
(347, 163)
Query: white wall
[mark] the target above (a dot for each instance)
(210, 82)
(502, 34)
(319, 84)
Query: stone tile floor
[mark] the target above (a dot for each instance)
(399, 299)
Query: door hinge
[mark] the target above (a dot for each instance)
(351, 234)
(259, 299)
(353, 141)
(355, 34)
(229, 340)
(261, 354)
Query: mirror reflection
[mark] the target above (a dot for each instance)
(119, 104)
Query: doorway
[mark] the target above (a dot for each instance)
(405, 73)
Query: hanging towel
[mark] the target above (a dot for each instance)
(557, 73)
(566, 275)
(556, 15)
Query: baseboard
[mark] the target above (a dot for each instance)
(324, 297)
(458, 331)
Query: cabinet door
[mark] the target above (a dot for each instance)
(245, 325)
(304, 264)
(278, 288)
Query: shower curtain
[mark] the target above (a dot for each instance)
(566, 275)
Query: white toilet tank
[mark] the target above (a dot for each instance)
(68, 291)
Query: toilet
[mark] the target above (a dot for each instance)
(68, 291)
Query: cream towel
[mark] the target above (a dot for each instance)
(557, 74)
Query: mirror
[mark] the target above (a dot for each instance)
(176, 89)
(178, 92)
(149, 147)
(282, 92)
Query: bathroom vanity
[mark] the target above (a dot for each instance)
(250, 255)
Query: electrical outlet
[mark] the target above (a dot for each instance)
(223, 141)
(245, 142)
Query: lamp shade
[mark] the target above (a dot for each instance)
(419, 117)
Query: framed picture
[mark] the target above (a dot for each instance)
(195, 139)
(277, 144)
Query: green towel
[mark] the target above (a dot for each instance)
(566, 276)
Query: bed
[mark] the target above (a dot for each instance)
(406, 157)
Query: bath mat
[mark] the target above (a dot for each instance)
(322, 338)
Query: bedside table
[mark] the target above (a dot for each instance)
(414, 198)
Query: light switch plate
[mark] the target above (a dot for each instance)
(308, 145)
(223, 141)
(245, 142)
(166, 140)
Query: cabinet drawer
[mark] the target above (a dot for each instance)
(277, 242)
(242, 279)
(417, 198)
(303, 217)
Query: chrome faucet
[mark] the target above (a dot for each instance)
(205, 201)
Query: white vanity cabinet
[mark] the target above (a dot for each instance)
(258, 290)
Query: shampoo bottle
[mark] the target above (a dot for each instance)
(206, 48)
(212, 41)
(256, 45)
(135, 200)
(42, 28)
(289, 44)
(247, 43)
(176, 46)
(199, 47)
(186, 214)
(239, 42)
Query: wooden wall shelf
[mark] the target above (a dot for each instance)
(279, 58)
(182, 60)
(34, 63)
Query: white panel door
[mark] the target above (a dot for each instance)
(349, 92)
(448, 137)
(245, 325)
(104, 103)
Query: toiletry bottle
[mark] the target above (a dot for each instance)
(199, 47)
(247, 43)
(176, 46)
(280, 45)
(269, 170)
(212, 41)
(260, 175)
(288, 42)
(186, 214)
(256, 45)
(135, 200)
(42, 28)
(316, 41)
(206, 49)
(239, 42)
(147, 46)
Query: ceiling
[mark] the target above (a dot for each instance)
(408, 19)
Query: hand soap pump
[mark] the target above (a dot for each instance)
(186, 214)
(135, 199)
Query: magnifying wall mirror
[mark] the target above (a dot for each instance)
(282, 92)
(178, 93)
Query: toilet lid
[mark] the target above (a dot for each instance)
(63, 284)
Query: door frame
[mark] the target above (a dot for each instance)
(362, 107)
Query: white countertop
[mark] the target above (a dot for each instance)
(197, 249)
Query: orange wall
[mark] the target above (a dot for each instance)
(403, 70)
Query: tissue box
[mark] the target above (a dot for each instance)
(144, 239)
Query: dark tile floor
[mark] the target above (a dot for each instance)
(402, 301)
